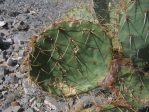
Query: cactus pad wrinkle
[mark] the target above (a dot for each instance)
(70, 58)
(134, 32)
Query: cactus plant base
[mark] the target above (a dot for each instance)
(70, 57)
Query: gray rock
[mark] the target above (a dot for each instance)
(2, 1)
(20, 75)
(29, 110)
(13, 109)
(1, 87)
(11, 62)
(29, 88)
(87, 104)
(4, 93)
(3, 71)
(2, 23)
(11, 79)
(22, 26)
(21, 37)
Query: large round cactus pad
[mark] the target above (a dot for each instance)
(70, 58)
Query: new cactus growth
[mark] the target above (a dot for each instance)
(70, 57)
(134, 32)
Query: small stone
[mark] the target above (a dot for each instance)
(1, 96)
(36, 108)
(13, 109)
(22, 26)
(2, 72)
(87, 104)
(4, 93)
(50, 105)
(2, 23)
(31, 100)
(11, 62)
(19, 75)
(2, 1)
(14, 103)
(1, 87)
(39, 105)
(29, 110)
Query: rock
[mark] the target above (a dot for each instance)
(14, 103)
(1, 96)
(32, 100)
(21, 37)
(1, 87)
(4, 93)
(2, 23)
(30, 88)
(39, 105)
(22, 26)
(11, 62)
(13, 109)
(49, 105)
(20, 75)
(2, 72)
(14, 14)
(11, 79)
(36, 109)
(2, 1)
(29, 110)
(87, 104)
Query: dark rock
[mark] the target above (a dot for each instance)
(22, 26)
(2, 1)
(3, 71)
(12, 62)
(3, 43)
(87, 104)
(14, 14)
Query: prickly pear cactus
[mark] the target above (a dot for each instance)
(134, 86)
(71, 57)
(134, 32)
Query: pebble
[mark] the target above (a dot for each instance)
(13, 109)
(11, 62)
(22, 26)
(14, 103)
(87, 104)
(49, 105)
(4, 93)
(29, 110)
(31, 100)
(2, 72)
(1, 87)
(2, 23)
(37, 109)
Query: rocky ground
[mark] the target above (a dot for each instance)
(20, 20)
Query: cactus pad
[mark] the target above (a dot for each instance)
(70, 57)
(134, 32)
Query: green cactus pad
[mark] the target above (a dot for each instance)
(134, 86)
(70, 58)
(134, 32)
